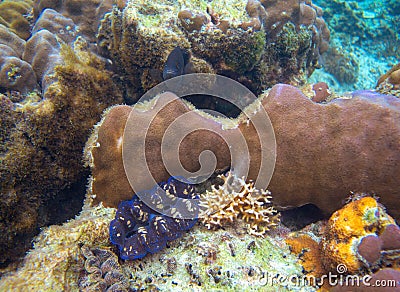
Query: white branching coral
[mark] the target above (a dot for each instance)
(237, 200)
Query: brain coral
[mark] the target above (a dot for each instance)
(13, 15)
(258, 43)
(42, 51)
(353, 146)
(15, 73)
(57, 24)
(85, 14)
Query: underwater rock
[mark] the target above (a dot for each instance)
(326, 150)
(57, 257)
(307, 249)
(321, 92)
(342, 65)
(257, 43)
(137, 229)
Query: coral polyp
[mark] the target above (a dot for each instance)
(236, 200)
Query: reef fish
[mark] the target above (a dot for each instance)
(177, 63)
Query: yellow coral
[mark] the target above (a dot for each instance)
(307, 249)
(347, 227)
(238, 200)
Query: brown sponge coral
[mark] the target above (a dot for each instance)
(324, 151)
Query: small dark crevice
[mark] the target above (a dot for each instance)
(300, 217)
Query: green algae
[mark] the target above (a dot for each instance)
(247, 53)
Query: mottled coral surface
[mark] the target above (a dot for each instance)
(353, 146)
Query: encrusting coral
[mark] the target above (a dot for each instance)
(235, 200)
(57, 253)
(78, 256)
(359, 239)
(354, 146)
(357, 236)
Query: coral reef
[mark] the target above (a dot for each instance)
(342, 65)
(256, 43)
(14, 15)
(57, 256)
(69, 257)
(363, 32)
(42, 152)
(102, 271)
(366, 23)
(353, 147)
(237, 200)
(137, 229)
(86, 14)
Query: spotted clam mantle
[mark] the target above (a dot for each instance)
(137, 229)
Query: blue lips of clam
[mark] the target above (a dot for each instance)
(137, 229)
